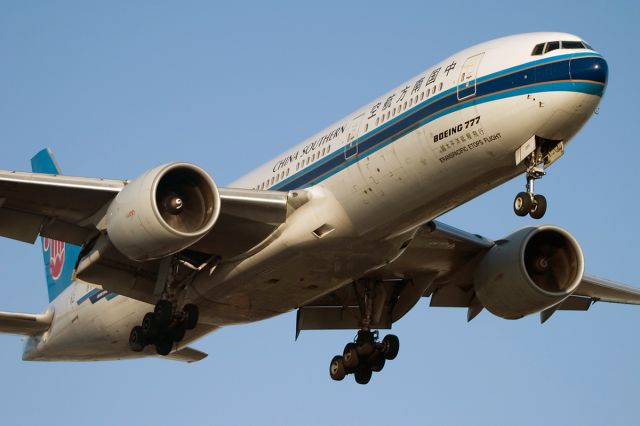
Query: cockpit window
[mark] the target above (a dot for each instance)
(572, 45)
(538, 49)
(552, 45)
(542, 48)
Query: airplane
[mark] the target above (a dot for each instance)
(341, 228)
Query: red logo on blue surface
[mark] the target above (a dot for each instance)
(56, 256)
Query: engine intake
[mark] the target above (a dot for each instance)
(529, 271)
(165, 210)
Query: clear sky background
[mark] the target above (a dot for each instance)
(115, 88)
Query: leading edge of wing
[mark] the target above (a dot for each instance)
(62, 181)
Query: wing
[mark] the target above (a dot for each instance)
(439, 263)
(71, 209)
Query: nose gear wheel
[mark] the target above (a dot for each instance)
(529, 203)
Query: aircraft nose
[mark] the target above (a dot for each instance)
(591, 69)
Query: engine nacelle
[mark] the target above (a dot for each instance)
(163, 211)
(529, 271)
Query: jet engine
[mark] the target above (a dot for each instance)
(165, 210)
(529, 271)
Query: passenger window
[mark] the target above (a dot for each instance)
(410, 101)
(366, 127)
(377, 120)
(552, 45)
(538, 49)
(287, 171)
(422, 95)
(440, 87)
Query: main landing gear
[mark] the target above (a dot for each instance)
(364, 356)
(529, 203)
(163, 327)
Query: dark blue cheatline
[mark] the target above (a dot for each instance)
(585, 73)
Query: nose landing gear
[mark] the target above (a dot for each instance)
(529, 203)
(364, 356)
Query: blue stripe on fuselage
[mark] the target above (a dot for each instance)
(544, 75)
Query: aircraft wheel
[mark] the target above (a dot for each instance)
(363, 374)
(539, 207)
(522, 204)
(136, 339)
(391, 346)
(336, 368)
(164, 346)
(163, 312)
(350, 356)
(191, 316)
(149, 326)
(177, 334)
(377, 362)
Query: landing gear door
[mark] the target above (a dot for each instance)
(467, 78)
(351, 147)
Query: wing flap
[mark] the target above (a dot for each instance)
(25, 324)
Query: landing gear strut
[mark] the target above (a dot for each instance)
(364, 356)
(529, 203)
(163, 327)
(167, 324)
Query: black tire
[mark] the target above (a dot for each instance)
(539, 207)
(149, 327)
(391, 346)
(336, 368)
(350, 356)
(136, 339)
(177, 334)
(377, 362)
(164, 346)
(164, 312)
(365, 343)
(522, 204)
(191, 316)
(363, 374)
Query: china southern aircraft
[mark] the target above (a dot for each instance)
(341, 228)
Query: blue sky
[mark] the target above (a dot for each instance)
(115, 88)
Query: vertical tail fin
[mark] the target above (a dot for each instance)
(59, 258)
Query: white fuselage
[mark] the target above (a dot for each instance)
(433, 143)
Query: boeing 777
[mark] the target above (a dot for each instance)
(342, 227)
